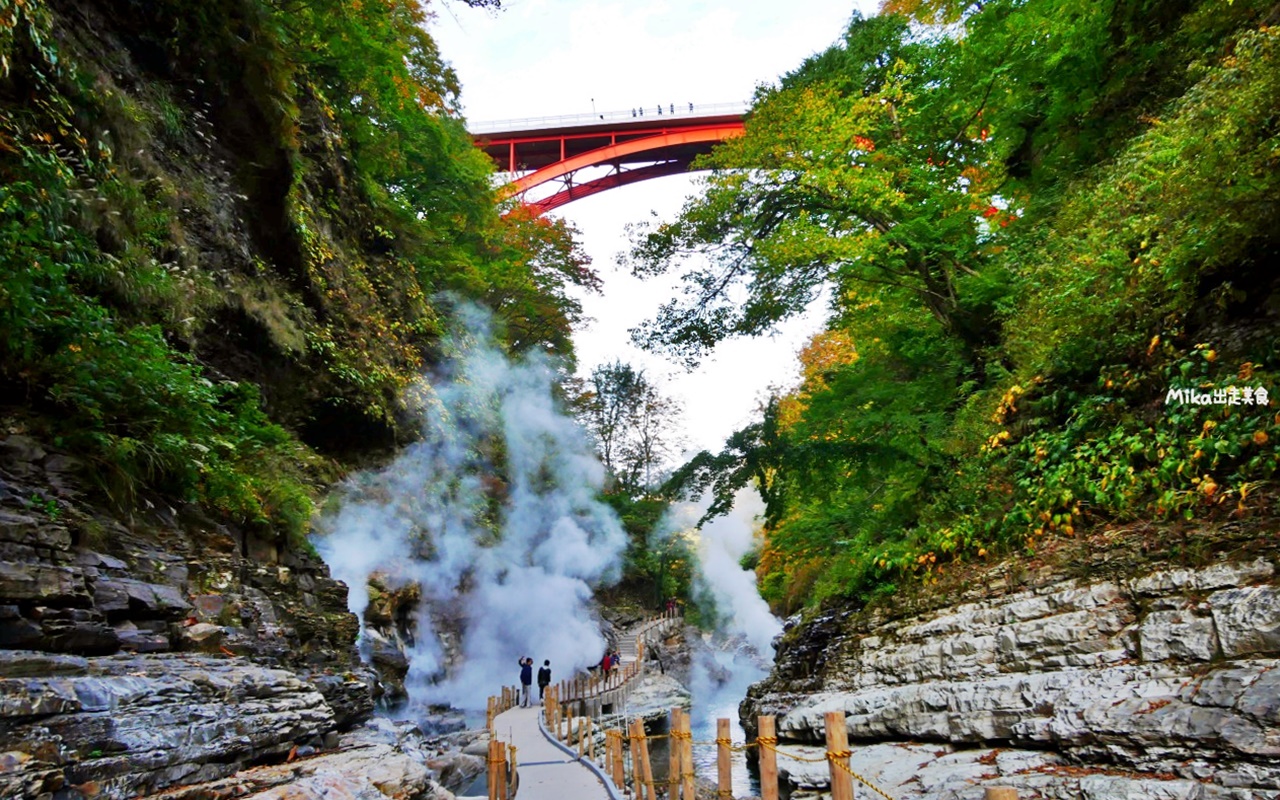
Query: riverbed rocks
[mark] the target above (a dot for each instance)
(166, 650)
(369, 763)
(1164, 685)
(656, 694)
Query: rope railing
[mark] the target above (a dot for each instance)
(625, 758)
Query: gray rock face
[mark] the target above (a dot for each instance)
(133, 725)
(1165, 686)
(364, 765)
(139, 658)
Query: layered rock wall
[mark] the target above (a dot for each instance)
(166, 650)
(1160, 686)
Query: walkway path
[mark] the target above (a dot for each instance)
(546, 771)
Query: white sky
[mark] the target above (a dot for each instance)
(551, 57)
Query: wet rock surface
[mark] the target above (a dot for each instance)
(169, 650)
(1165, 685)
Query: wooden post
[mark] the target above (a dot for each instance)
(582, 738)
(512, 787)
(673, 759)
(489, 712)
(724, 768)
(619, 772)
(501, 759)
(767, 738)
(493, 769)
(642, 773)
(1000, 793)
(838, 742)
(686, 756)
(591, 742)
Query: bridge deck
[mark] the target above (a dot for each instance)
(546, 771)
(525, 150)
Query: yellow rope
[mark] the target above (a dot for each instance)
(863, 781)
(773, 746)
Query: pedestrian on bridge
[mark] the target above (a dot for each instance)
(526, 679)
(544, 678)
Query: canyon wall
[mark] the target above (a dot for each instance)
(1159, 685)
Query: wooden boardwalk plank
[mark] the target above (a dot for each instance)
(546, 771)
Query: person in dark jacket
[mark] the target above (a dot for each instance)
(526, 679)
(544, 678)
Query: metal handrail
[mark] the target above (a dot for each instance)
(647, 112)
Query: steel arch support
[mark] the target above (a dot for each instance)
(611, 181)
(613, 153)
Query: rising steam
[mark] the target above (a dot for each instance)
(738, 608)
(493, 514)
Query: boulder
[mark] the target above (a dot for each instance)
(202, 637)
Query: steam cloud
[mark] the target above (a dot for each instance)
(722, 542)
(494, 515)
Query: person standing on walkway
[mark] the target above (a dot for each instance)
(526, 679)
(544, 678)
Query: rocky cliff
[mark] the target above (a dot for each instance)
(171, 651)
(1161, 684)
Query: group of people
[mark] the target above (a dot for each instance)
(610, 660)
(526, 679)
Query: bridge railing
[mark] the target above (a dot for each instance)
(668, 111)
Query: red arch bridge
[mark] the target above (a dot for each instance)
(578, 156)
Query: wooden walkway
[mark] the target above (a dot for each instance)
(546, 771)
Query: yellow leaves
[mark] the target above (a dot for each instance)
(1155, 342)
(1260, 438)
(1008, 405)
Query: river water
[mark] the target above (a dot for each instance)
(711, 701)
